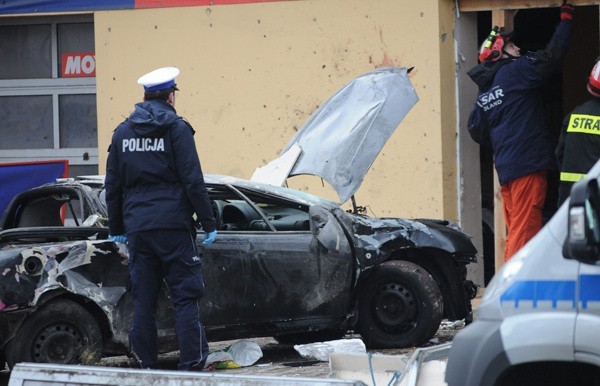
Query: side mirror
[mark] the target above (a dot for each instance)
(583, 237)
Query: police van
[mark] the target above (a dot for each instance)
(538, 322)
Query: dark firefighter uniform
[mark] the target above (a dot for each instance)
(510, 104)
(154, 184)
(579, 145)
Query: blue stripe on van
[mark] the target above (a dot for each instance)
(590, 289)
(554, 291)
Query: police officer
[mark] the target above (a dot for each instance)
(579, 143)
(510, 103)
(154, 184)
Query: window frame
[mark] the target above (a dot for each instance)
(254, 200)
(54, 87)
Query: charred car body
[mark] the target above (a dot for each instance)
(285, 263)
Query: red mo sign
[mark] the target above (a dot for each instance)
(79, 64)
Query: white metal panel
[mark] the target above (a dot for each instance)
(537, 337)
(37, 374)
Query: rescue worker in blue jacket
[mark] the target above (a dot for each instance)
(579, 143)
(154, 185)
(510, 103)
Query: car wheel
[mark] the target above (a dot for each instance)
(400, 305)
(309, 337)
(60, 332)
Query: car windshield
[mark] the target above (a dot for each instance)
(276, 190)
(301, 195)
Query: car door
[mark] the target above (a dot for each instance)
(587, 341)
(268, 270)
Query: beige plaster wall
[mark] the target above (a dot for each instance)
(252, 74)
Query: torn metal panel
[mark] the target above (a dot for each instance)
(343, 137)
(276, 171)
(377, 238)
(95, 270)
(15, 289)
(329, 231)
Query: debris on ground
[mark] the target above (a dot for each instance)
(322, 350)
(242, 353)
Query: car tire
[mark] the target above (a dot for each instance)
(61, 331)
(310, 337)
(399, 305)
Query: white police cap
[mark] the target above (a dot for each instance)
(159, 79)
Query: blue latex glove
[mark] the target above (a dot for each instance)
(118, 239)
(209, 237)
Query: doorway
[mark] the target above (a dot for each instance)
(533, 29)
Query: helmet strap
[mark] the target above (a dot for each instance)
(512, 57)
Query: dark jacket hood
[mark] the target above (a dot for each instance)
(152, 118)
(483, 74)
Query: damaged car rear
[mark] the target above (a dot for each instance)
(285, 263)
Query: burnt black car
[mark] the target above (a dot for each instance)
(285, 263)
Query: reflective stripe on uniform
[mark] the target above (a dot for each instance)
(571, 177)
(586, 124)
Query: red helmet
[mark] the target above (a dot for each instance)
(492, 48)
(593, 85)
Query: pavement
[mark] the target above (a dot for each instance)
(284, 360)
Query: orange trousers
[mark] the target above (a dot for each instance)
(524, 199)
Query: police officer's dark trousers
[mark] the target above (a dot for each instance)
(172, 254)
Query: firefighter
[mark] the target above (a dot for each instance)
(509, 104)
(579, 143)
(154, 184)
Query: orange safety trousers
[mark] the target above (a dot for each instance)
(524, 199)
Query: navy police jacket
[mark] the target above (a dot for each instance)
(153, 174)
(510, 101)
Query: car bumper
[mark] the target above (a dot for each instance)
(477, 355)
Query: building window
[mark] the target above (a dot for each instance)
(26, 51)
(24, 121)
(48, 91)
(77, 115)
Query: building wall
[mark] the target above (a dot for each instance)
(447, 102)
(253, 73)
(469, 188)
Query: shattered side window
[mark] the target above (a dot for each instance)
(286, 217)
(73, 213)
(282, 214)
(239, 215)
(301, 195)
(233, 211)
(50, 209)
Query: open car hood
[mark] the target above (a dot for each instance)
(342, 138)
